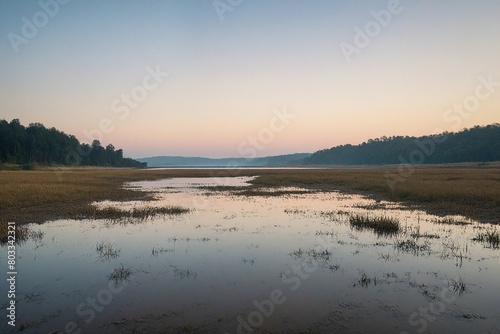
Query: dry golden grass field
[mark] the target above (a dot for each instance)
(36, 196)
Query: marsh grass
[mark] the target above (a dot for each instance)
(415, 233)
(327, 233)
(137, 213)
(372, 206)
(36, 236)
(175, 239)
(54, 193)
(334, 267)
(157, 251)
(412, 246)
(425, 235)
(311, 254)
(120, 274)
(107, 250)
(184, 273)
(490, 238)
(250, 261)
(23, 234)
(471, 191)
(451, 221)
(456, 251)
(365, 280)
(294, 211)
(458, 285)
(381, 225)
(270, 192)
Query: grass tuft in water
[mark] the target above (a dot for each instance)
(107, 250)
(120, 274)
(458, 286)
(364, 281)
(138, 213)
(184, 273)
(311, 254)
(156, 251)
(411, 246)
(382, 225)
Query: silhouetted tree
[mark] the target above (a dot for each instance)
(37, 144)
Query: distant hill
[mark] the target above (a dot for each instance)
(176, 161)
(37, 144)
(477, 144)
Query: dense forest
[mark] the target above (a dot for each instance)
(37, 144)
(477, 144)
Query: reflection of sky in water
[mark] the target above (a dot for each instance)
(192, 182)
(214, 262)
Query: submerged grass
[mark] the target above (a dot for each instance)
(107, 250)
(412, 246)
(451, 221)
(365, 281)
(381, 225)
(311, 254)
(183, 273)
(458, 285)
(120, 274)
(490, 238)
(160, 250)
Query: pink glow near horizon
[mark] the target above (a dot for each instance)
(173, 79)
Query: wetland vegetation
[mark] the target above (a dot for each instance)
(196, 249)
(53, 193)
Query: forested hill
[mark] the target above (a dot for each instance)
(270, 161)
(36, 144)
(477, 144)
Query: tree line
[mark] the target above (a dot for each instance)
(477, 144)
(37, 144)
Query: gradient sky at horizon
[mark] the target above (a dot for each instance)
(227, 76)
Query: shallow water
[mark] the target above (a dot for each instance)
(238, 264)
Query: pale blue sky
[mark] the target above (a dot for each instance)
(226, 77)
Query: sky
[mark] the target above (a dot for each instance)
(242, 78)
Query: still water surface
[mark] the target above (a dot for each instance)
(256, 264)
